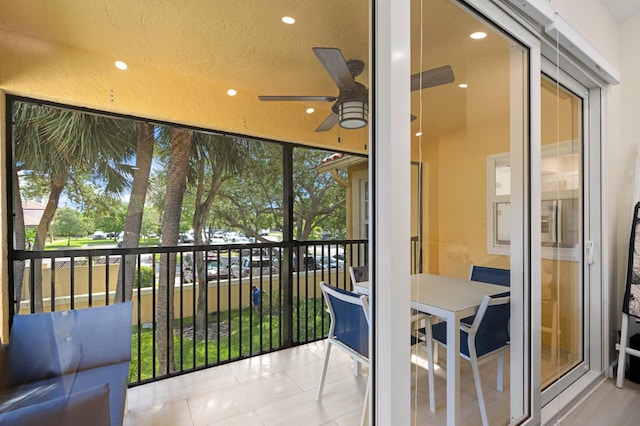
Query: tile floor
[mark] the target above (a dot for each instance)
(273, 389)
(280, 388)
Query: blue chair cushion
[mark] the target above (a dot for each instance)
(68, 341)
(489, 275)
(86, 407)
(492, 334)
(351, 326)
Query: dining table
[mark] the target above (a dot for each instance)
(450, 299)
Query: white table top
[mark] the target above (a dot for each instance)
(450, 294)
(446, 293)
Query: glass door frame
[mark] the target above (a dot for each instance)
(592, 365)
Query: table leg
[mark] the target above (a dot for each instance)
(453, 370)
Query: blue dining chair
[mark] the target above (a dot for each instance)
(349, 332)
(490, 275)
(483, 337)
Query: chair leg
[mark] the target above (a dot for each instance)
(325, 364)
(500, 373)
(357, 367)
(476, 379)
(622, 351)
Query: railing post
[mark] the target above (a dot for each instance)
(286, 282)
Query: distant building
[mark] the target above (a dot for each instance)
(32, 213)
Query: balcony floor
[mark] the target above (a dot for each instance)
(279, 389)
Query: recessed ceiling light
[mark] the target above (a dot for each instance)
(478, 35)
(120, 65)
(463, 85)
(310, 110)
(419, 134)
(231, 92)
(288, 20)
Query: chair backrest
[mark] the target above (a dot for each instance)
(359, 274)
(489, 275)
(491, 323)
(349, 318)
(50, 344)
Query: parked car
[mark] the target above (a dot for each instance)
(185, 238)
(329, 262)
(254, 265)
(307, 263)
(217, 240)
(99, 235)
(240, 240)
(217, 268)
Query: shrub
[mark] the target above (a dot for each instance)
(146, 277)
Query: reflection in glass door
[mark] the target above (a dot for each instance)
(562, 303)
(468, 105)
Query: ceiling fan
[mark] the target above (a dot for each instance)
(350, 108)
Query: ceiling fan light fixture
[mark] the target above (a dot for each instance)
(353, 114)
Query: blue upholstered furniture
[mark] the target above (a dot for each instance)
(489, 275)
(349, 331)
(67, 367)
(482, 337)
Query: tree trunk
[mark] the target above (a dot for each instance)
(135, 210)
(181, 140)
(202, 210)
(58, 181)
(19, 230)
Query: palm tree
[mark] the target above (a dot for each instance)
(58, 144)
(133, 220)
(181, 140)
(215, 158)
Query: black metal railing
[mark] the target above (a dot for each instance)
(230, 301)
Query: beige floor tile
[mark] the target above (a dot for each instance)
(151, 394)
(250, 418)
(244, 397)
(175, 413)
(340, 398)
(252, 368)
(210, 379)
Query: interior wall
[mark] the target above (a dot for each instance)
(458, 173)
(629, 145)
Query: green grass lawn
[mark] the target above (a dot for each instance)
(64, 243)
(243, 334)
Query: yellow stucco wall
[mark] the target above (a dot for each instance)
(233, 294)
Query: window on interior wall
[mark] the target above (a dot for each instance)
(560, 188)
(364, 208)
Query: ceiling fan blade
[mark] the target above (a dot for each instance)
(335, 64)
(328, 123)
(299, 98)
(433, 77)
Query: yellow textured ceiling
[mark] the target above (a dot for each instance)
(244, 44)
(241, 42)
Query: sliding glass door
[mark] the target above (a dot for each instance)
(562, 193)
